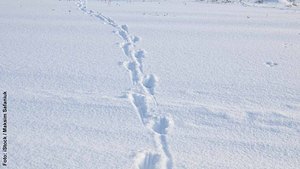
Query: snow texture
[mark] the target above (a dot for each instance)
(151, 84)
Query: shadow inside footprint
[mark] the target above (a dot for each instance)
(271, 64)
(161, 125)
(149, 161)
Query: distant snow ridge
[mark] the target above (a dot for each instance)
(142, 97)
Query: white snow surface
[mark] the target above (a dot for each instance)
(150, 85)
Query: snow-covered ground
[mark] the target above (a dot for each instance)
(151, 85)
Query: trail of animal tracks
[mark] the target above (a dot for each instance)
(151, 85)
(142, 96)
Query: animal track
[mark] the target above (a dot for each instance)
(125, 28)
(161, 125)
(150, 82)
(127, 49)
(140, 103)
(135, 39)
(271, 64)
(140, 55)
(141, 95)
(134, 73)
(148, 160)
(124, 35)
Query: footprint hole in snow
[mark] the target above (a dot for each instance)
(150, 81)
(125, 28)
(140, 53)
(161, 125)
(271, 64)
(136, 39)
(148, 160)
